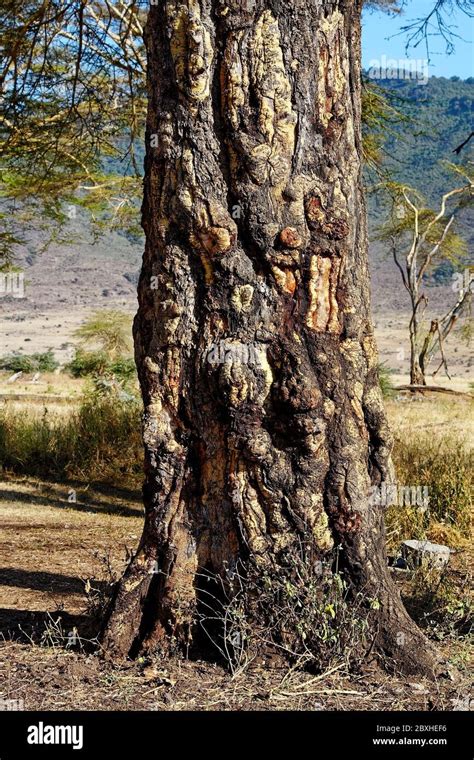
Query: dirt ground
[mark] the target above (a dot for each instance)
(54, 679)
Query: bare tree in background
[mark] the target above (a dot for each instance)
(419, 238)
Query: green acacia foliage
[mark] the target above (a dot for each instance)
(72, 78)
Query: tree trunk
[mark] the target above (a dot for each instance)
(264, 423)
(417, 374)
(417, 368)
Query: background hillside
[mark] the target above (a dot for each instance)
(441, 115)
(436, 119)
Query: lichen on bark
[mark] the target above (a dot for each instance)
(264, 424)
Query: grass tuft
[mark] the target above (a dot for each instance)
(444, 464)
(100, 441)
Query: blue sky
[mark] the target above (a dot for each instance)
(378, 40)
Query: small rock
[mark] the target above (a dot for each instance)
(132, 277)
(417, 553)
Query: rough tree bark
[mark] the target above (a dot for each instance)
(263, 420)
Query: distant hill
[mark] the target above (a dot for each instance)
(441, 117)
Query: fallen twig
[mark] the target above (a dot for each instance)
(434, 389)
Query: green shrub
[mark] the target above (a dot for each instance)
(123, 368)
(41, 362)
(97, 363)
(87, 363)
(385, 380)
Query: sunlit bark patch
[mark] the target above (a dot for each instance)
(323, 309)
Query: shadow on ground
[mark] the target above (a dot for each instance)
(44, 581)
(80, 505)
(28, 626)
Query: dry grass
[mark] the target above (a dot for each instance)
(436, 416)
(98, 440)
(433, 448)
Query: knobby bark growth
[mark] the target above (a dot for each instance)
(264, 423)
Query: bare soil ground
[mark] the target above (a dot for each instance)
(55, 679)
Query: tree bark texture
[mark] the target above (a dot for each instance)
(264, 422)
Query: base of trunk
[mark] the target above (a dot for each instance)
(299, 609)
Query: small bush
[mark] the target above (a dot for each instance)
(306, 611)
(385, 380)
(124, 369)
(98, 364)
(42, 362)
(88, 363)
(108, 332)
